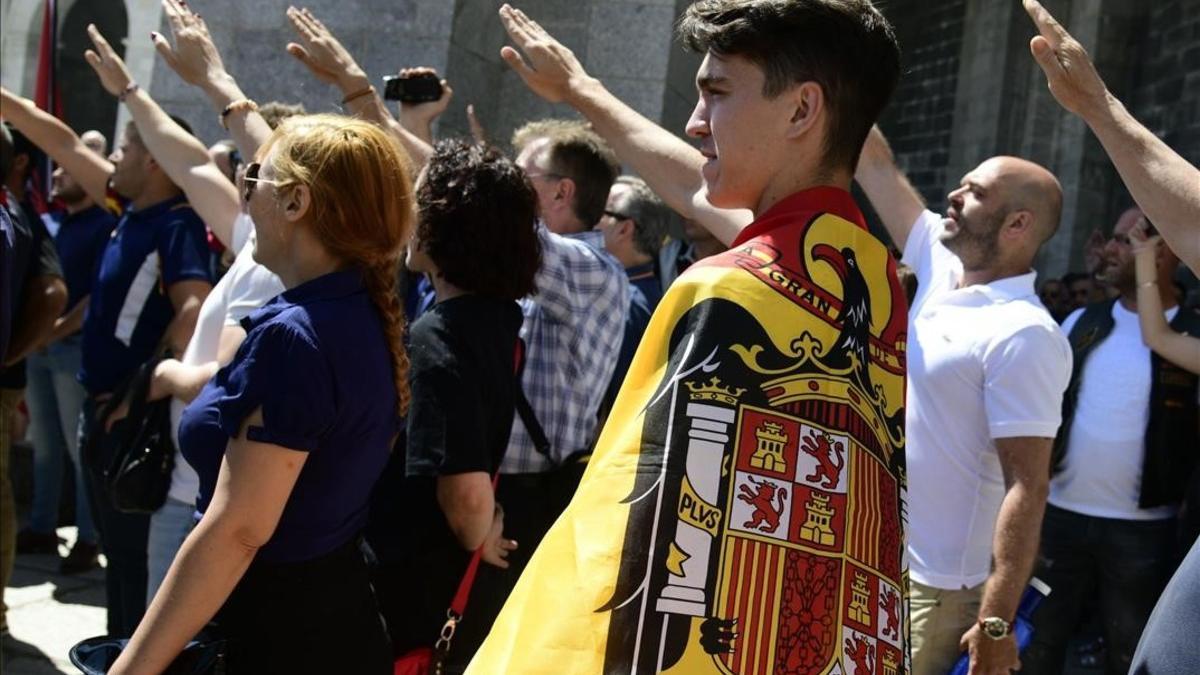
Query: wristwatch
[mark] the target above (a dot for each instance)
(995, 627)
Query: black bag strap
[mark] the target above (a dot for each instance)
(525, 410)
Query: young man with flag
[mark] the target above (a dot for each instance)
(743, 509)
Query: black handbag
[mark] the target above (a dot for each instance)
(95, 656)
(137, 474)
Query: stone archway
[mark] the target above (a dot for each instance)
(85, 103)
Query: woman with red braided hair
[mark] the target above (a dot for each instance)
(289, 438)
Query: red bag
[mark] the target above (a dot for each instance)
(416, 662)
(427, 661)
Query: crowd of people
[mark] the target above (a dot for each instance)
(432, 402)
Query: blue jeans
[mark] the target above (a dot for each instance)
(55, 399)
(1122, 563)
(169, 526)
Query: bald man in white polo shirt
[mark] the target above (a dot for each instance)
(987, 367)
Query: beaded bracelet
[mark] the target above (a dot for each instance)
(235, 106)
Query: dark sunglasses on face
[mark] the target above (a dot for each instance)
(250, 178)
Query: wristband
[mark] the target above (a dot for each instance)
(129, 89)
(1147, 284)
(235, 106)
(358, 94)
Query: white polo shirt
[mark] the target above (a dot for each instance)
(245, 287)
(984, 362)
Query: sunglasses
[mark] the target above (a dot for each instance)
(616, 215)
(250, 178)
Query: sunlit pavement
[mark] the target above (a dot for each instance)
(48, 612)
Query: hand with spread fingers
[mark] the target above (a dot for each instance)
(194, 57)
(1070, 73)
(545, 64)
(324, 55)
(114, 76)
(417, 117)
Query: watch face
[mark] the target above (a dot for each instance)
(994, 627)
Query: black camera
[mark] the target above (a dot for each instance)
(421, 88)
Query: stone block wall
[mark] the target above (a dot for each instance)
(919, 120)
(1166, 97)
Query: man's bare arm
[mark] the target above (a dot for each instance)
(44, 300)
(56, 139)
(668, 164)
(181, 155)
(1014, 547)
(1165, 186)
(186, 298)
(894, 198)
(195, 58)
(330, 62)
(69, 323)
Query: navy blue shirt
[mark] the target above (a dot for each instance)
(644, 293)
(33, 256)
(80, 239)
(7, 237)
(129, 310)
(316, 361)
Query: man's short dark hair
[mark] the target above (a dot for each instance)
(183, 123)
(651, 217)
(477, 220)
(845, 46)
(6, 151)
(1070, 278)
(23, 146)
(578, 153)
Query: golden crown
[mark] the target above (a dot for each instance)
(713, 391)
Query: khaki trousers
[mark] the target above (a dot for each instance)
(8, 506)
(939, 617)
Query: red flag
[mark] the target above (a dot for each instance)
(46, 96)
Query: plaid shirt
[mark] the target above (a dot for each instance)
(572, 331)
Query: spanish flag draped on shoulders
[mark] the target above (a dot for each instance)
(743, 511)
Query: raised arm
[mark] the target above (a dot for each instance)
(669, 165)
(56, 139)
(894, 198)
(330, 62)
(181, 155)
(1165, 186)
(418, 117)
(196, 60)
(1178, 348)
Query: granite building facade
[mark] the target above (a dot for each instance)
(970, 88)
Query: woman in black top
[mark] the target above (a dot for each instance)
(475, 239)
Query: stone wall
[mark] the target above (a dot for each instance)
(919, 120)
(1167, 94)
(969, 90)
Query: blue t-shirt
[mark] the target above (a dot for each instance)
(129, 310)
(80, 239)
(316, 361)
(644, 293)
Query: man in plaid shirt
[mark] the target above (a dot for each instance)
(573, 328)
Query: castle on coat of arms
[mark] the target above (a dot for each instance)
(768, 456)
(816, 526)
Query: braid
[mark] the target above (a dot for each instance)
(380, 280)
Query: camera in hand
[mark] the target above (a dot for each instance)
(420, 88)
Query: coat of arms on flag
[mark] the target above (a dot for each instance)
(743, 512)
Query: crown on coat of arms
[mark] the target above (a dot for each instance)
(713, 391)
